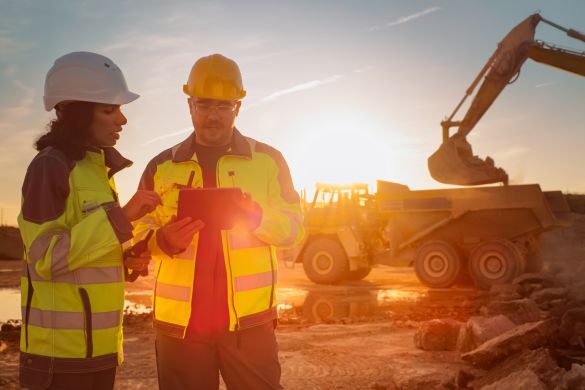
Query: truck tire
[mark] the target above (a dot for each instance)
(325, 261)
(437, 264)
(358, 274)
(321, 308)
(496, 261)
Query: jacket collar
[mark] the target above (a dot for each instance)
(185, 151)
(112, 159)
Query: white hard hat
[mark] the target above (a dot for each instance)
(87, 77)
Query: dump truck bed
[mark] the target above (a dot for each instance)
(468, 215)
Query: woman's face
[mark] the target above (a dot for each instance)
(106, 125)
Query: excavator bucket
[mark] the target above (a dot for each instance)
(454, 163)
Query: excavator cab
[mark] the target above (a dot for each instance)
(454, 162)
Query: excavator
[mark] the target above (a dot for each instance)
(454, 162)
(490, 233)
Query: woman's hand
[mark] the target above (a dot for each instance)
(136, 266)
(142, 203)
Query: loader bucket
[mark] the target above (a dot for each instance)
(454, 163)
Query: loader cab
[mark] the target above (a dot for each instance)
(335, 205)
(337, 225)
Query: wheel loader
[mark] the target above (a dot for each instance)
(490, 233)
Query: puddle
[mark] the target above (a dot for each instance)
(323, 304)
(367, 304)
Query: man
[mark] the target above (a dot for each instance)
(214, 297)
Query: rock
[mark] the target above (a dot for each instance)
(566, 278)
(10, 326)
(437, 335)
(549, 294)
(534, 278)
(574, 379)
(523, 379)
(538, 361)
(519, 311)
(558, 310)
(478, 330)
(576, 293)
(506, 292)
(572, 327)
(525, 336)
(465, 376)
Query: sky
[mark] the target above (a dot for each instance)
(349, 91)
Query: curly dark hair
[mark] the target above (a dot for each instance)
(69, 132)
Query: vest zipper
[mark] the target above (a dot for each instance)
(229, 262)
(87, 319)
(29, 295)
(154, 292)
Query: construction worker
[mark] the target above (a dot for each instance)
(214, 297)
(73, 229)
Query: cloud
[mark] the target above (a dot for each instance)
(170, 135)
(364, 69)
(11, 114)
(140, 41)
(544, 85)
(253, 41)
(405, 19)
(301, 87)
(11, 47)
(265, 56)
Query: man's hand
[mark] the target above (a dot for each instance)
(251, 211)
(142, 203)
(177, 235)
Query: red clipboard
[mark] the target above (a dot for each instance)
(216, 207)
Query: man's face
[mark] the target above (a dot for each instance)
(213, 120)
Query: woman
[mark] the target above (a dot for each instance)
(73, 229)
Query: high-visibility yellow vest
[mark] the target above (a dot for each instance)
(72, 283)
(250, 260)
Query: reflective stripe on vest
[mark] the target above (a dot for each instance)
(38, 249)
(295, 223)
(172, 291)
(90, 275)
(244, 240)
(252, 281)
(71, 320)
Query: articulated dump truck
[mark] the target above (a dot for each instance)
(491, 233)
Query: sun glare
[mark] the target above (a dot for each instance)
(352, 148)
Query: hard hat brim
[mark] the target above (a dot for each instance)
(125, 98)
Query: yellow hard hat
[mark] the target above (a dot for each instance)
(215, 77)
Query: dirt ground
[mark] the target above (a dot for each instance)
(330, 337)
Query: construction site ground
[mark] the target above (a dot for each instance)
(358, 336)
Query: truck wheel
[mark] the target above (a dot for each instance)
(358, 274)
(321, 308)
(496, 261)
(325, 261)
(437, 264)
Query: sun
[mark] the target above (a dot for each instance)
(353, 147)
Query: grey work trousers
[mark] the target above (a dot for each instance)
(247, 359)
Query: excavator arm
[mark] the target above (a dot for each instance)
(454, 161)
